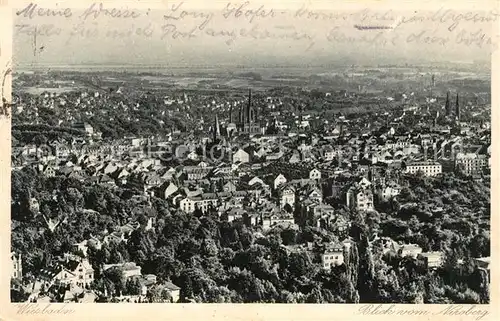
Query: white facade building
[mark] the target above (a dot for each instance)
(427, 168)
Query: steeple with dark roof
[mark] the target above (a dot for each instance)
(447, 105)
(216, 128)
(249, 112)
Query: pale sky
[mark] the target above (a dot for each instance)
(207, 50)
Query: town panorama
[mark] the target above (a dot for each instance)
(352, 184)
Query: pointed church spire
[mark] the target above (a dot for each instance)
(447, 105)
(457, 109)
(217, 125)
(216, 128)
(249, 107)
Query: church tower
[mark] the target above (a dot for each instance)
(447, 105)
(216, 128)
(217, 125)
(241, 117)
(249, 112)
(436, 119)
(457, 109)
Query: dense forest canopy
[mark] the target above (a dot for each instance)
(217, 261)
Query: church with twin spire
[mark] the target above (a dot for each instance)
(246, 123)
(247, 120)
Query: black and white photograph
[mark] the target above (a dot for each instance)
(251, 152)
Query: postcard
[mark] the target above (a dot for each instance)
(248, 160)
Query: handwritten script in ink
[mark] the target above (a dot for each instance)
(472, 312)
(244, 21)
(38, 308)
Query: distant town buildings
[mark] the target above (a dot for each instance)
(285, 163)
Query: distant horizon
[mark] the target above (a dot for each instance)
(31, 66)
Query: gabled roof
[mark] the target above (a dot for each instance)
(281, 176)
(334, 247)
(255, 180)
(170, 189)
(286, 187)
(410, 247)
(241, 151)
(229, 183)
(50, 272)
(171, 286)
(364, 181)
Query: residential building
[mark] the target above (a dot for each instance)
(386, 244)
(360, 196)
(69, 270)
(169, 190)
(329, 153)
(315, 194)
(229, 187)
(471, 164)
(432, 259)
(389, 191)
(203, 202)
(174, 291)
(280, 179)
(333, 255)
(315, 174)
(428, 168)
(412, 250)
(322, 209)
(287, 196)
(483, 262)
(86, 127)
(240, 156)
(130, 269)
(196, 173)
(277, 218)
